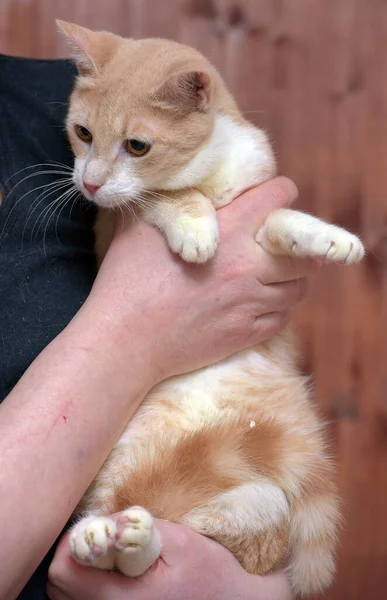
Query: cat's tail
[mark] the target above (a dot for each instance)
(313, 532)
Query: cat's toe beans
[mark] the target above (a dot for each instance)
(134, 530)
(194, 239)
(92, 538)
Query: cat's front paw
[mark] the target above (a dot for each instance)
(195, 239)
(327, 242)
(334, 246)
(91, 541)
(298, 234)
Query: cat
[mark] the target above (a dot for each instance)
(236, 451)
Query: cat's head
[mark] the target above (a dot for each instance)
(139, 113)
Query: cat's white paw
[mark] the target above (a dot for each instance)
(329, 243)
(298, 234)
(194, 238)
(137, 543)
(134, 530)
(91, 540)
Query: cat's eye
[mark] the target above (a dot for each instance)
(136, 147)
(83, 133)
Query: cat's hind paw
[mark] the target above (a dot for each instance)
(134, 529)
(137, 543)
(91, 542)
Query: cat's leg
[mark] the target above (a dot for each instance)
(130, 543)
(251, 520)
(188, 220)
(91, 542)
(291, 233)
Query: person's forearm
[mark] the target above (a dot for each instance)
(56, 428)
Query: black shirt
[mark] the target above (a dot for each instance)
(47, 263)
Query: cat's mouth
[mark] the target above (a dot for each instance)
(113, 200)
(97, 197)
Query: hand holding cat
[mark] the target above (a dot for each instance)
(191, 567)
(148, 317)
(243, 296)
(203, 313)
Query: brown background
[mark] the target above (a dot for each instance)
(313, 72)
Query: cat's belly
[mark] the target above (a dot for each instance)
(234, 388)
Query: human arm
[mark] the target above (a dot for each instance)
(191, 567)
(148, 317)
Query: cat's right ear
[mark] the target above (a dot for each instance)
(80, 40)
(91, 50)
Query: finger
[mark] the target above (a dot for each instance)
(278, 269)
(284, 296)
(55, 593)
(86, 582)
(275, 586)
(177, 541)
(266, 326)
(252, 207)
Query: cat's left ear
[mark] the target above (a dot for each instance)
(185, 92)
(91, 50)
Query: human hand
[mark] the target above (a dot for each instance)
(191, 567)
(194, 315)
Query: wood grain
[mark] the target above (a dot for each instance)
(313, 73)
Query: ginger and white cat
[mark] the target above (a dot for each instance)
(235, 451)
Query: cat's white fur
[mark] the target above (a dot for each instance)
(261, 386)
(235, 159)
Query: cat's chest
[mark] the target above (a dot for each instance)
(246, 160)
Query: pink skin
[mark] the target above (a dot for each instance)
(191, 567)
(145, 319)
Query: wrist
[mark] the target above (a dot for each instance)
(122, 340)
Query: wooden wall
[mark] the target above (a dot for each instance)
(313, 72)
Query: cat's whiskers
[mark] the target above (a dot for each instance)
(146, 202)
(157, 196)
(52, 189)
(129, 208)
(64, 203)
(46, 210)
(50, 211)
(52, 184)
(66, 170)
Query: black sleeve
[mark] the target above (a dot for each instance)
(47, 264)
(46, 247)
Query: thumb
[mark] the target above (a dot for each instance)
(176, 541)
(253, 206)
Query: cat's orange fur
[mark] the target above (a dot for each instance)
(236, 451)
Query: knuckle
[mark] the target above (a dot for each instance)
(301, 289)
(284, 319)
(233, 269)
(182, 539)
(55, 575)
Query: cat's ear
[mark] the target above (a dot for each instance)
(81, 46)
(91, 50)
(185, 92)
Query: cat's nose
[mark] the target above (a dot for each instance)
(91, 188)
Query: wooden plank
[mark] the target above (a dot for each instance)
(313, 73)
